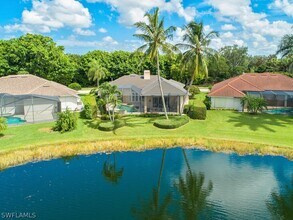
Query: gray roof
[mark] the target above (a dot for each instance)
(150, 87)
(33, 85)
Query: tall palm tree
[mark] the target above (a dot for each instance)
(110, 171)
(286, 46)
(193, 201)
(155, 208)
(155, 37)
(195, 45)
(96, 72)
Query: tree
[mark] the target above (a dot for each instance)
(237, 59)
(254, 104)
(96, 72)
(194, 194)
(110, 98)
(110, 171)
(286, 46)
(155, 37)
(3, 125)
(195, 43)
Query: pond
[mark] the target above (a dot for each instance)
(155, 184)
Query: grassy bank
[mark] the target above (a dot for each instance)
(221, 131)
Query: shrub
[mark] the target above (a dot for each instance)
(106, 126)
(75, 86)
(3, 124)
(208, 103)
(119, 123)
(194, 90)
(67, 121)
(89, 111)
(172, 123)
(107, 117)
(195, 112)
(254, 104)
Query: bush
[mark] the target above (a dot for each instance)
(75, 86)
(67, 121)
(106, 126)
(254, 104)
(194, 90)
(3, 124)
(208, 103)
(107, 117)
(172, 123)
(195, 112)
(89, 111)
(119, 124)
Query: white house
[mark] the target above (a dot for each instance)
(34, 99)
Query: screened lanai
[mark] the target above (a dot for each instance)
(276, 98)
(29, 108)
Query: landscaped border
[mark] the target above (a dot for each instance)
(47, 152)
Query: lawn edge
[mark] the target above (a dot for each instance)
(52, 151)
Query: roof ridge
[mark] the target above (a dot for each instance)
(224, 86)
(236, 89)
(249, 83)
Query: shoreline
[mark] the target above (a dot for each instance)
(53, 151)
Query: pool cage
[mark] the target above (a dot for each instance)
(276, 98)
(29, 108)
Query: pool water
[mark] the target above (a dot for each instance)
(14, 120)
(155, 184)
(280, 111)
(127, 108)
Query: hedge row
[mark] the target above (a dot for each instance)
(110, 126)
(173, 122)
(195, 112)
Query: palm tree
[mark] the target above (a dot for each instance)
(195, 45)
(194, 195)
(286, 46)
(96, 72)
(110, 171)
(154, 209)
(111, 98)
(281, 205)
(155, 37)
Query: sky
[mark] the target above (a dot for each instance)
(84, 25)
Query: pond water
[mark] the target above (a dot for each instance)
(155, 184)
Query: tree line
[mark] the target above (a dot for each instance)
(40, 55)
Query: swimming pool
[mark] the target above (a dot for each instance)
(14, 120)
(127, 108)
(280, 111)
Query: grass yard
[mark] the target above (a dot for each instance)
(221, 131)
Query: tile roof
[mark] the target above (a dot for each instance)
(253, 82)
(33, 85)
(149, 87)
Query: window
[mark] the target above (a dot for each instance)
(134, 97)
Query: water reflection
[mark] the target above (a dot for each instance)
(189, 197)
(110, 171)
(280, 204)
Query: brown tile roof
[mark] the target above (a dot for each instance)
(256, 82)
(33, 85)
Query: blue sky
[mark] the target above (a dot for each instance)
(84, 25)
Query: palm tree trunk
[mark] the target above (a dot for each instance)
(186, 160)
(161, 171)
(195, 73)
(160, 85)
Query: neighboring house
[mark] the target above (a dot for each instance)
(276, 89)
(143, 92)
(34, 99)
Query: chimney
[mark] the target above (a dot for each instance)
(147, 74)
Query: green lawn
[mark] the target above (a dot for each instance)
(274, 130)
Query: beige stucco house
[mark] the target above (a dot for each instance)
(143, 92)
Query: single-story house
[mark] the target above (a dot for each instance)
(143, 92)
(34, 99)
(276, 89)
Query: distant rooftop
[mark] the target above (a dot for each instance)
(33, 85)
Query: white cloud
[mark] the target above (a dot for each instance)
(253, 24)
(132, 11)
(84, 32)
(102, 30)
(48, 15)
(110, 40)
(227, 35)
(283, 5)
(228, 27)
